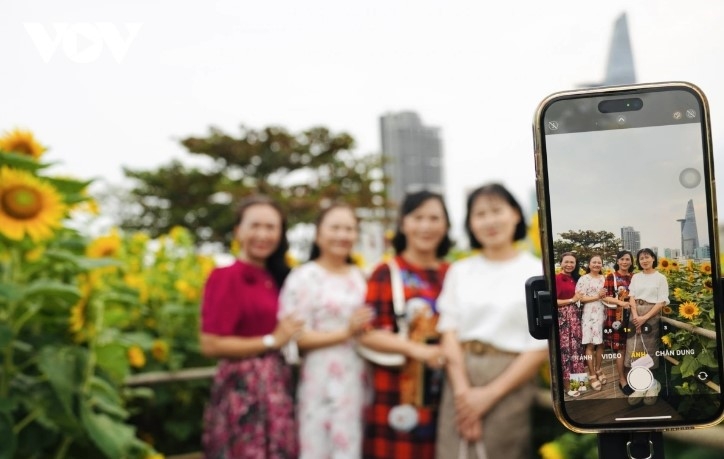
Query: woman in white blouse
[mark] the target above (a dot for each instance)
(649, 291)
(492, 359)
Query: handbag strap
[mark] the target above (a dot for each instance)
(480, 452)
(641, 335)
(398, 297)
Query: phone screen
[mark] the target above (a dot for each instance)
(627, 208)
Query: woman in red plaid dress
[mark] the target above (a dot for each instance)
(401, 420)
(616, 324)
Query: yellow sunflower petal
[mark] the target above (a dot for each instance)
(28, 206)
(21, 142)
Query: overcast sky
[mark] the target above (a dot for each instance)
(648, 194)
(117, 83)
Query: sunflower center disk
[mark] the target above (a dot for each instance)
(23, 148)
(21, 202)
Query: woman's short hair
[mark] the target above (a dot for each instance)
(575, 274)
(620, 254)
(411, 202)
(316, 252)
(650, 252)
(497, 190)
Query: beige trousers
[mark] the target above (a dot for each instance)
(506, 428)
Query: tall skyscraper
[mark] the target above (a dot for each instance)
(689, 233)
(631, 239)
(620, 65)
(413, 154)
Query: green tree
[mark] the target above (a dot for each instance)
(302, 170)
(586, 244)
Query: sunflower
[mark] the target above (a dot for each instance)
(235, 247)
(677, 293)
(28, 206)
(358, 260)
(105, 246)
(34, 254)
(77, 319)
(666, 339)
(137, 282)
(674, 265)
(180, 235)
(667, 310)
(689, 310)
(551, 450)
(689, 265)
(188, 291)
(159, 350)
(136, 357)
(89, 206)
(207, 265)
(664, 264)
(291, 260)
(21, 142)
(708, 284)
(705, 267)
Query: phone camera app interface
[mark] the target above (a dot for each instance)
(631, 249)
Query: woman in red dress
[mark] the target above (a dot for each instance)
(251, 412)
(401, 421)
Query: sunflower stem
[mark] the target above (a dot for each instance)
(26, 421)
(8, 371)
(98, 309)
(63, 450)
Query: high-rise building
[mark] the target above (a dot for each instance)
(413, 154)
(630, 238)
(702, 253)
(689, 233)
(620, 65)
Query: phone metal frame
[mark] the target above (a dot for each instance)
(547, 253)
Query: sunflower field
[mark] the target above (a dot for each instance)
(78, 316)
(689, 332)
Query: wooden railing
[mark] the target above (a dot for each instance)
(160, 377)
(688, 327)
(712, 437)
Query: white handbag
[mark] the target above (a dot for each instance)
(389, 359)
(645, 360)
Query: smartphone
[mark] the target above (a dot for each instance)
(630, 169)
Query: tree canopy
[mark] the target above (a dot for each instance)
(587, 243)
(303, 171)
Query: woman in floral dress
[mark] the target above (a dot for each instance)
(591, 291)
(328, 293)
